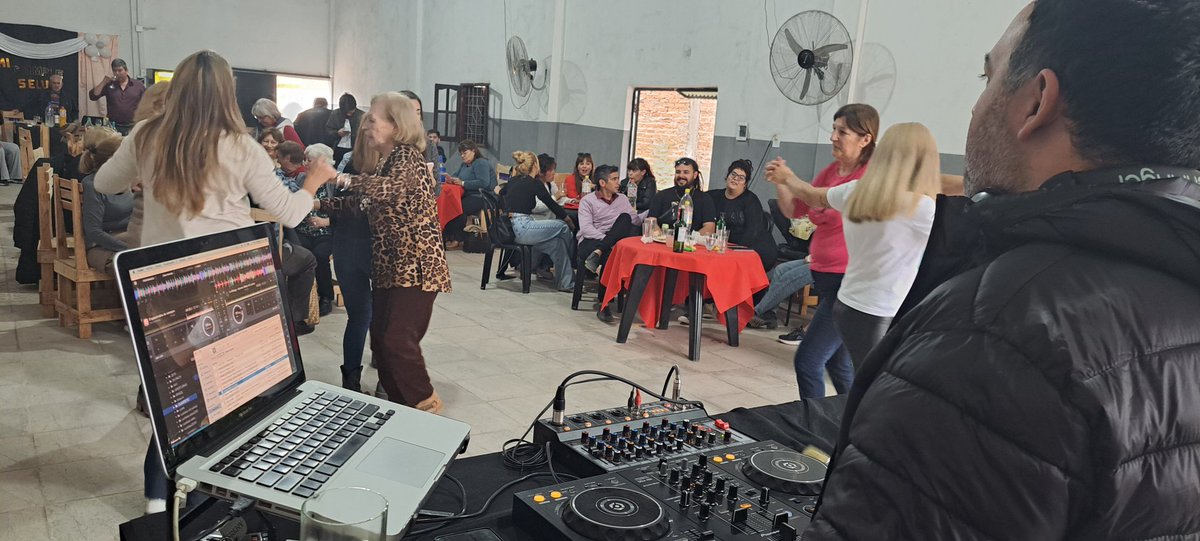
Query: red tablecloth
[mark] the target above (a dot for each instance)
(449, 203)
(731, 278)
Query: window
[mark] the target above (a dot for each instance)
(462, 112)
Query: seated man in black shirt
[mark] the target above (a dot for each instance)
(664, 207)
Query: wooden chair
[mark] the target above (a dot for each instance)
(8, 119)
(807, 301)
(47, 242)
(76, 279)
(314, 302)
(29, 154)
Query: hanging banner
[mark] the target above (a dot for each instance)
(24, 81)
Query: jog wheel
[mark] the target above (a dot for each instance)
(785, 471)
(616, 514)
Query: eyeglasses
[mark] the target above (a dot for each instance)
(585, 155)
(737, 176)
(682, 161)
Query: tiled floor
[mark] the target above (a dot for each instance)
(72, 443)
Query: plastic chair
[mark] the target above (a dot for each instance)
(491, 213)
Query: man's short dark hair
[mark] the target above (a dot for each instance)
(320, 102)
(1129, 72)
(603, 171)
(118, 63)
(434, 132)
(347, 102)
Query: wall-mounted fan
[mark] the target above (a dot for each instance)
(521, 68)
(810, 57)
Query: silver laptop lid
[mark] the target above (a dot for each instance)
(212, 333)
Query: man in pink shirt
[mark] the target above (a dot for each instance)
(605, 217)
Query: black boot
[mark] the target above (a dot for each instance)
(352, 379)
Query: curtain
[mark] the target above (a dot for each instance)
(94, 63)
(41, 51)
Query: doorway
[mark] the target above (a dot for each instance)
(670, 123)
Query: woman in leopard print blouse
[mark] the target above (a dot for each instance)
(409, 265)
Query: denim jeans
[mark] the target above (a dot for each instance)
(822, 348)
(352, 261)
(785, 279)
(550, 237)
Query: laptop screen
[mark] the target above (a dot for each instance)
(214, 330)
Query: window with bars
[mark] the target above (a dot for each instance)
(462, 111)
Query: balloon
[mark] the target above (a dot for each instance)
(91, 51)
(105, 52)
(90, 39)
(102, 41)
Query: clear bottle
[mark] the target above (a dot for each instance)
(631, 190)
(51, 112)
(441, 169)
(686, 204)
(587, 186)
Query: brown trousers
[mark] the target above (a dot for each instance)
(399, 318)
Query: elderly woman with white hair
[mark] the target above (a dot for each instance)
(316, 231)
(268, 116)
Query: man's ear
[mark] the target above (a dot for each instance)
(1042, 105)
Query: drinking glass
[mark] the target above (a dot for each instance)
(344, 514)
(722, 241)
(710, 241)
(648, 228)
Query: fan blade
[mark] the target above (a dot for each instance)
(831, 48)
(820, 74)
(807, 79)
(795, 45)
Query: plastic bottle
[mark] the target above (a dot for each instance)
(441, 169)
(51, 112)
(686, 204)
(62, 116)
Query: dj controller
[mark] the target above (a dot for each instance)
(670, 472)
(758, 491)
(620, 438)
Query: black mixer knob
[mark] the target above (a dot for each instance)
(672, 427)
(645, 426)
(661, 448)
(708, 477)
(616, 458)
(678, 445)
(665, 423)
(727, 437)
(764, 497)
(638, 452)
(712, 438)
(696, 469)
(583, 438)
(662, 467)
(703, 513)
(698, 488)
(606, 432)
(720, 487)
(702, 461)
(641, 440)
(685, 499)
(625, 431)
(732, 493)
(591, 443)
(681, 431)
(608, 452)
(687, 423)
(620, 443)
(674, 477)
(685, 483)
(711, 497)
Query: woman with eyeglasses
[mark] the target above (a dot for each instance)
(743, 213)
(476, 175)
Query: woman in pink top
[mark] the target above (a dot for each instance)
(854, 131)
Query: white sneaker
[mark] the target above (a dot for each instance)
(155, 505)
(683, 320)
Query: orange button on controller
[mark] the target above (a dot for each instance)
(730, 457)
(746, 505)
(556, 494)
(718, 459)
(538, 498)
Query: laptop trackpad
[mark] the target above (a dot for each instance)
(402, 462)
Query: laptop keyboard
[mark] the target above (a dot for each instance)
(302, 449)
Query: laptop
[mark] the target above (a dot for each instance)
(228, 400)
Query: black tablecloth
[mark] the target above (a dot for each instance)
(795, 424)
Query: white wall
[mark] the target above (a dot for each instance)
(920, 58)
(289, 36)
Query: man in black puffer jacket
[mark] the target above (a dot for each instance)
(1049, 387)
